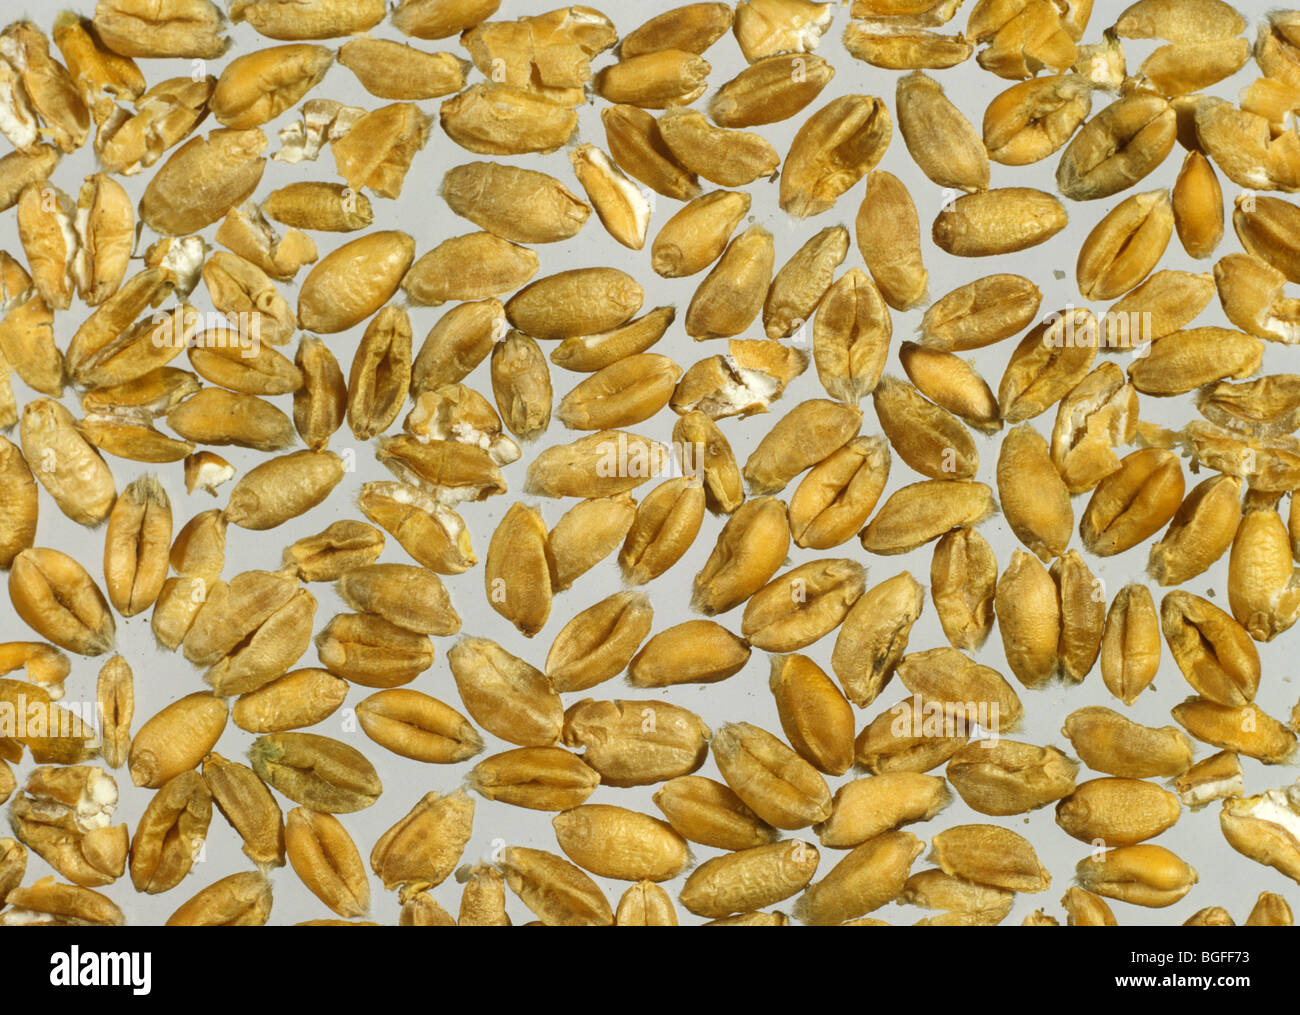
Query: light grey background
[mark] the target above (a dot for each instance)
(1226, 877)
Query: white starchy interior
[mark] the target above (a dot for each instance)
(1277, 807)
(184, 259)
(1204, 792)
(743, 390)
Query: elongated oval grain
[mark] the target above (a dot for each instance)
(170, 833)
(732, 294)
(417, 726)
(579, 301)
(939, 138)
(836, 497)
(202, 180)
(333, 207)
(1145, 875)
(639, 149)
(802, 282)
(69, 468)
(297, 699)
(1120, 812)
(968, 692)
(729, 158)
(317, 772)
(1109, 742)
(586, 534)
(801, 438)
(835, 147)
(18, 521)
(749, 879)
(366, 649)
(556, 891)
(176, 739)
(539, 778)
(1198, 206)
(1200, 531)
(390, 70)
(1117, 147)
(1049, 362)
(1130, 651)
(963, 580)
(620, 206)
(770, 90)
(709, 813)
(590, 353)
(622, 844)
(698, 233)
(283, 488)
(256, 88)
(413, 598)
(953, 384)
(666, 523)
(353, 281)
(980, 313)
(521, 385)
(1125, 246)
(851, 335)
(245, 367)
(497, 119)
(636, 743)
(990, 855)
(1033, 119)
(999, 221)
(773, 781)
(692, 28)
(216, 417)
(869, 877)
(1005, 777)
(56, 597)
(238, 900)
(460, 341)
(517, 575)
(136, 546)
(915, 514)
(380, 374)
(598, 643)
(1029, 619)
(796, 608)
(1244, 729)
(628, 391)
(864, 808)
(1033, 496)
(521, 205)
(964, 903)
(250, 808)
(425, 845)
(815, 716)
(1131, 504)
(1261, 593)
(327, 861)
(693, 652)
(751, 546)
(927, 437)
(888, 234)
(1213, 651)
(505, 695)
(470, 267)
(115, 699)
(873, 637)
